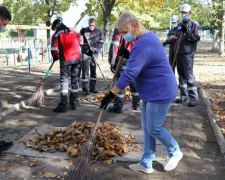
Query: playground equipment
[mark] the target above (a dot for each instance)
(28, 51)
(20, 51)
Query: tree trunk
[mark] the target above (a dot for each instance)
(214, 40)
(214, 27)
(222, 31)
(106, 26)
(107, 6)
(48, 23)
(79, 20)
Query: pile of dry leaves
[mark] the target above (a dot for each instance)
(110, 140)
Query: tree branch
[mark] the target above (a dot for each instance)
(103, 9)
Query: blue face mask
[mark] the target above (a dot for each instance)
(129, 38)
(2, 29)
(184, 16)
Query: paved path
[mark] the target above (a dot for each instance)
(189, 125)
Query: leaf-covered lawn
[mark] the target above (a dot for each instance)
(209, 71)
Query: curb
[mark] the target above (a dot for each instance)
(17, 106)
(213, 120)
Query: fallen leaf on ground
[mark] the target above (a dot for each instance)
(49, 175)
(4, 169)
(33, 164)
(109, 161)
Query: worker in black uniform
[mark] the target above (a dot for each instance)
(117, 48)
(171, 39)
(185, 56)
(95, 38)
(65, 46)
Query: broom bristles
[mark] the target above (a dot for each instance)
(80, 169)
(37, 98)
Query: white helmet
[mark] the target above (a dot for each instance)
(185, 8)
(174, 18)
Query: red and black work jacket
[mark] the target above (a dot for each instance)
(95, 39)
(116, 43)
(65, 46)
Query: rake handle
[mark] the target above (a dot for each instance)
(112, 84)
(93, 56)
(117, 68)
(178, 46)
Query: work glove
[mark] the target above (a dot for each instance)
(93, 50)
(164, 43)
(183, 29)
(56, 58)
(123, 51)
(107, 99)
(82, 31)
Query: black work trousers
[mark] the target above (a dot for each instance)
(171, 57)
(66, 72)
(86, 64)
(188, 86)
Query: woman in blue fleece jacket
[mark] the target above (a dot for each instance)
(150, 72)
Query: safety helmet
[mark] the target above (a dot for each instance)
(55, 23)
(185, 8)
(174, 18)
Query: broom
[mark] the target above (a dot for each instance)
(80, 169)
(93, 56)
(37, 98)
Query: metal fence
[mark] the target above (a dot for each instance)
(29, 52)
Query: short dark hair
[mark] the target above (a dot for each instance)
(91, 20)
(5, 14)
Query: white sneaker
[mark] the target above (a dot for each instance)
(139, 167)
(173, 161)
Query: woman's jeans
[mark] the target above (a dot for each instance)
(152, 118)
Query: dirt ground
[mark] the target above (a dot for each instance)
(190, 126)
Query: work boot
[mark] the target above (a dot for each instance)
(86, 93)
(93, 91)
(73, 106)
(60, 108)
(4, 145)
(193, 103)
(181, 100)
(112, 109)
(136, 108)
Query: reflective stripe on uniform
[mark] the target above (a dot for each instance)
(134, 94)
(192, 88)
(84, 80)
(183, 86)
(64, 91)
(54, 49)
(115, 42)
(74, 90)
(101, 41)
(120, 95)
(91, 78)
